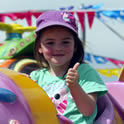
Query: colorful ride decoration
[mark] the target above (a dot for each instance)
(24, 65)
(23, 100)
(15, 45)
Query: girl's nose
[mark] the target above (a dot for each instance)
(58, 47)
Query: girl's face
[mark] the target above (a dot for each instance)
(57, 45)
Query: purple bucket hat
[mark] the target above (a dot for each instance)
(62, 18)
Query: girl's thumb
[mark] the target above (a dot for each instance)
(75, 67)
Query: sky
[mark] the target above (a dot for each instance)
(22, 5)
(99, 39)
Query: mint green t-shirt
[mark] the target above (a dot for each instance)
(58, 91)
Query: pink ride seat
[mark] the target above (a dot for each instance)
(116, 94)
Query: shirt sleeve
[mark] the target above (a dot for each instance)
(90, 81)
(34, 75)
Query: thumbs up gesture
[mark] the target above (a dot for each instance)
(72, 75)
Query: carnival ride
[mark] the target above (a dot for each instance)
(18, 99)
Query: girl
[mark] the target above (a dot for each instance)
(72, 85)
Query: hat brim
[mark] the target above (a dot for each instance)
(53, 23)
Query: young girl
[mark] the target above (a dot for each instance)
(72, 85)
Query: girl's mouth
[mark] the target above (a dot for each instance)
(58, 55)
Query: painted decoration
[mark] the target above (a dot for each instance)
(15, 45)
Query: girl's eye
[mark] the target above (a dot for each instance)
(50, 43)
(66, 42)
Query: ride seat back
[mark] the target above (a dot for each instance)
(105, 111)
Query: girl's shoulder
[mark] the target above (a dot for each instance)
(38, 72)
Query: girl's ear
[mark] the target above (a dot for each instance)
(40, 50)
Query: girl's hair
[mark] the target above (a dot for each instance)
(78, 55)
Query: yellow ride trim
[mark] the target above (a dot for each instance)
(23, 63)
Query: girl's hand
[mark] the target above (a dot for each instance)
(72, 75)
(14, 122)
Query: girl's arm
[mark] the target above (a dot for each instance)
(86, 103)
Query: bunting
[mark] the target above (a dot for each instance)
(113, 14)
(91, 16)
(20, 15)
(110, 72)
(81, 19)
(102, 60)
(28, 16)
